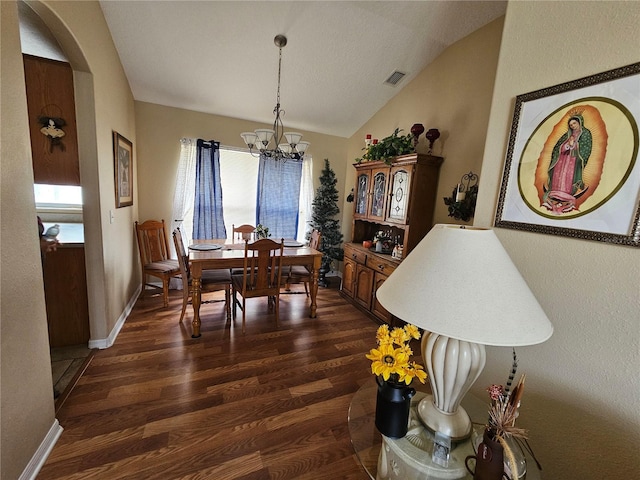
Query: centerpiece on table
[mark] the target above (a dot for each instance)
(262, 232)
(394, 371)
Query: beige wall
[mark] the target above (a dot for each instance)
(104, 103)
(160, 130)
(27, 390)
(582, 400)
(452, 94)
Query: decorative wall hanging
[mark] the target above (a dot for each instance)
(572, 162)
(123, 167)
(462, 202)
(52, 127)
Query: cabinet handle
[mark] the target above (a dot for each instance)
(354, 255)
(380, 267)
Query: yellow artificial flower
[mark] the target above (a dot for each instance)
(411, 371)
(412, 331)
(386, 361)
(406, 349)
(391, 359)
(399, 336)
(382, 335)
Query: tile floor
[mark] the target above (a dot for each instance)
(65, 363)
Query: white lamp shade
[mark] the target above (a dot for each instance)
(460, 282)
(292, 137)
(250, 138)
(302, 147)
(265, 135)
(285, 147)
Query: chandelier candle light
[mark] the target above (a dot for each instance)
(496, 308)
(290, 149)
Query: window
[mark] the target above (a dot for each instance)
(239, 174)
(68, 197)
(239, 177)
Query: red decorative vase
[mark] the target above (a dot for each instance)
(416, 130)
(489, 459)
(432, 135)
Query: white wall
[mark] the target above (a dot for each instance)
(582, 399)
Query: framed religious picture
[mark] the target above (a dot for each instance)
(572, 164)
(123, 167)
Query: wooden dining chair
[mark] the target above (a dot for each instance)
(212, 280)
(302, 273)
(154, 256)
(261, 275)
(243, 232)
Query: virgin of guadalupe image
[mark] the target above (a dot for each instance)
(571, 161)
(568, 160)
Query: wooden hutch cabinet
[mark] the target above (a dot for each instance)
(399, 199)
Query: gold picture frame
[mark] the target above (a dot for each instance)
(123, 170)
(572, 161)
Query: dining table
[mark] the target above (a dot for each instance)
(224, 253)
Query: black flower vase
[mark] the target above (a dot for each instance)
(392, 408)
(489, 459)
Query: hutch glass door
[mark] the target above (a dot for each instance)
(362, 194)
(379, 190)
(399, 195)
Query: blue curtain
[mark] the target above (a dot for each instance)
(208, 218)
(278, 196)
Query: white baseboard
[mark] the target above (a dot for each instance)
(103, 343)
(41, 455)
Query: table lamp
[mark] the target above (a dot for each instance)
(461, 287)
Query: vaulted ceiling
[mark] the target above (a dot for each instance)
(219, 56)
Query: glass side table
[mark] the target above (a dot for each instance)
(411, 457)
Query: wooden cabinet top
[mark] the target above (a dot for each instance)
(402, 160)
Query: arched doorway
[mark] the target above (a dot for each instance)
(41, 23)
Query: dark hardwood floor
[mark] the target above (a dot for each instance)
(271, 404)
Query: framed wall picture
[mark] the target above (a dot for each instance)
(123, 167)
(572, 164)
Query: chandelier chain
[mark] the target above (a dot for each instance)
(279, 71)
(293, 149)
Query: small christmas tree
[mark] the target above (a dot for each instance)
(325, 208)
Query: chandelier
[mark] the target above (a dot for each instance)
(260, 140)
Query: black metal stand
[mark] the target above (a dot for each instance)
(322, 279)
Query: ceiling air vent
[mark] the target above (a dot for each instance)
(394, 78)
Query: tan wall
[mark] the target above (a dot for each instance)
(452, 94)
(104, 103)
(160, 130)
(582, 397)
(27, 389)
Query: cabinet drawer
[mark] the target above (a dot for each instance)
(357, 256)
(380, 265)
